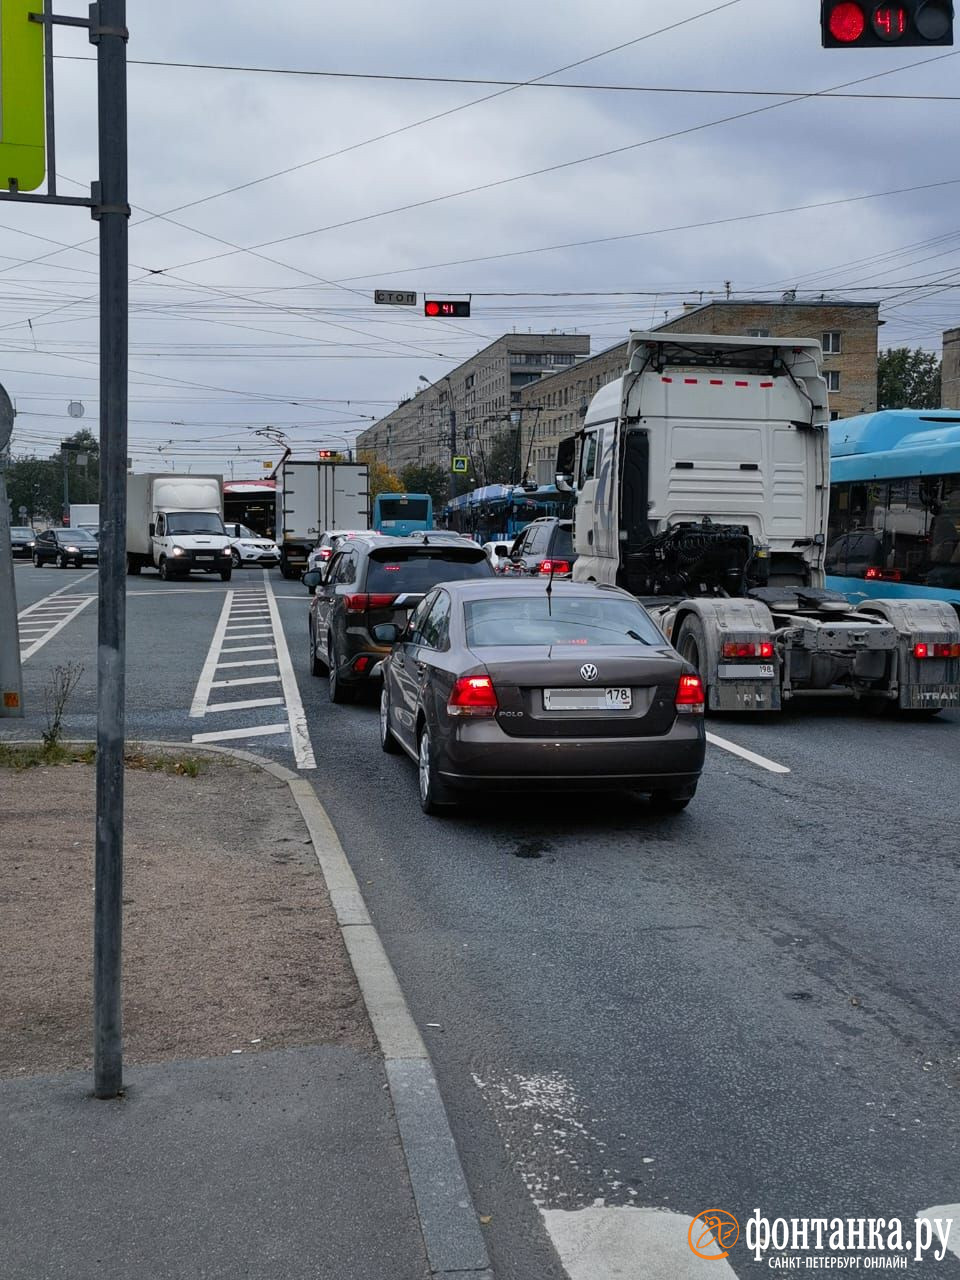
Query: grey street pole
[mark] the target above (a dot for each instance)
(453, 443)
(11, 680)
(108, 32)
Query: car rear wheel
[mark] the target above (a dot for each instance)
(387, 741)
(316, 663)
(434, 795)
(670, 801)
(339, 692)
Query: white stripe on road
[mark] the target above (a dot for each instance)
(250, 662)
(744, 754)
(33, 642)
(258, 731)
(249, 648)
(629, 1242)
(228, 684)
(245, 706)
(202, 692)
(302, 747)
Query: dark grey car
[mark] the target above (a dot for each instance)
(505, 685)
(370, 580)
(64, 547)
(22, 539)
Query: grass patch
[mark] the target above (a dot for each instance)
(35, 755)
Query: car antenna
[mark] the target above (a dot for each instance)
(550, 590)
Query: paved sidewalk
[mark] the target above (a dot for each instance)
(262, 1132)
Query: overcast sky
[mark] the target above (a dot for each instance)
(225, 342)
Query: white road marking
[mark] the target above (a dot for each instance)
(948, 1214)
(244, 706)
(201, 694)
(627, 1243)
(252, 614)
(43, 623)
(751, 756)
(257, 731)
(302, 747)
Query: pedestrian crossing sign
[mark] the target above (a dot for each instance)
(460, 465)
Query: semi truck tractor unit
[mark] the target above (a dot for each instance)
(175, 525)
(702, 486)
(313, 496)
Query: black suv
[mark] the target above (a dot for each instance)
(369, 580)
(64, 547)
(546, 546)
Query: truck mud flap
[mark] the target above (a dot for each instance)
(743, 695)
(929, 682)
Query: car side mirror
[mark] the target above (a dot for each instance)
(311, 578)
(153, 530)
(386, 633)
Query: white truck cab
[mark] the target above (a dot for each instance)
(175, 524)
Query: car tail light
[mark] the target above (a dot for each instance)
(690, 696)
(921, 650)
(361, 603)
(326, 553)
(553, 566)
(473, 696)
(361, 664)
(734, 649)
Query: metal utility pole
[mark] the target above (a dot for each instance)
(108, 32)
(11, 680)
(453, 441)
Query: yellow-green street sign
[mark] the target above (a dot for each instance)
(460, 466)
(22, 150)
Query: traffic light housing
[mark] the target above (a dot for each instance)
(436, 307)
(326, 453)
(868, 24)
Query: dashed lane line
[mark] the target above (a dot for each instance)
(761, 761)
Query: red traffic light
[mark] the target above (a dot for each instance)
(445, 307)
(863, 24)
(847, 22)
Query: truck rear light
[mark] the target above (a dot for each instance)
(361, 603)
(760, 649)
(690, 696)
(553, 566)
(473, 696)
(921, 650)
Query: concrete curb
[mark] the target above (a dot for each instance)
(448, 1220)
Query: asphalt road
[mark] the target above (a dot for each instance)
(753, 1004)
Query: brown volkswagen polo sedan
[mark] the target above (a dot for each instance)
(509, 685)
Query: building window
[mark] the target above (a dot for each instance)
(758, 333)
(831, 343)
(834, 414)
(833, 379)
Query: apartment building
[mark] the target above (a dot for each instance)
(479, 399)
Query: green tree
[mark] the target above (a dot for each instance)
(908, 379)
(501, 463)
(433, 479)
(382, 479)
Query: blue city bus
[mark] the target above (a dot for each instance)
(498, 512)
(400, 514)
(894, 527)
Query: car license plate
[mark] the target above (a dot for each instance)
(587, 699)
(205, 557)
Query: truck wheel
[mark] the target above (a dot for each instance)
(166, 573)
(226, 575)
(133, 566)
(691, 645)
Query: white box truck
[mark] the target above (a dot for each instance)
(85, 515)
(175, 525)
(313, 497)
(702, 478)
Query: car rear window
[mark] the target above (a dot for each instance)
(559, 620)
(563, 542)
(400, 569)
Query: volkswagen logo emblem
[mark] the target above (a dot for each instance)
(588, 671)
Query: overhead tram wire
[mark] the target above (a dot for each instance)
(416, 124)
(559, 166)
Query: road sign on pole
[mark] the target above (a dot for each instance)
(395, 298)
(22, 136)
(460, 465)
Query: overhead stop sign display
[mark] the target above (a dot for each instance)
(22, 139)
